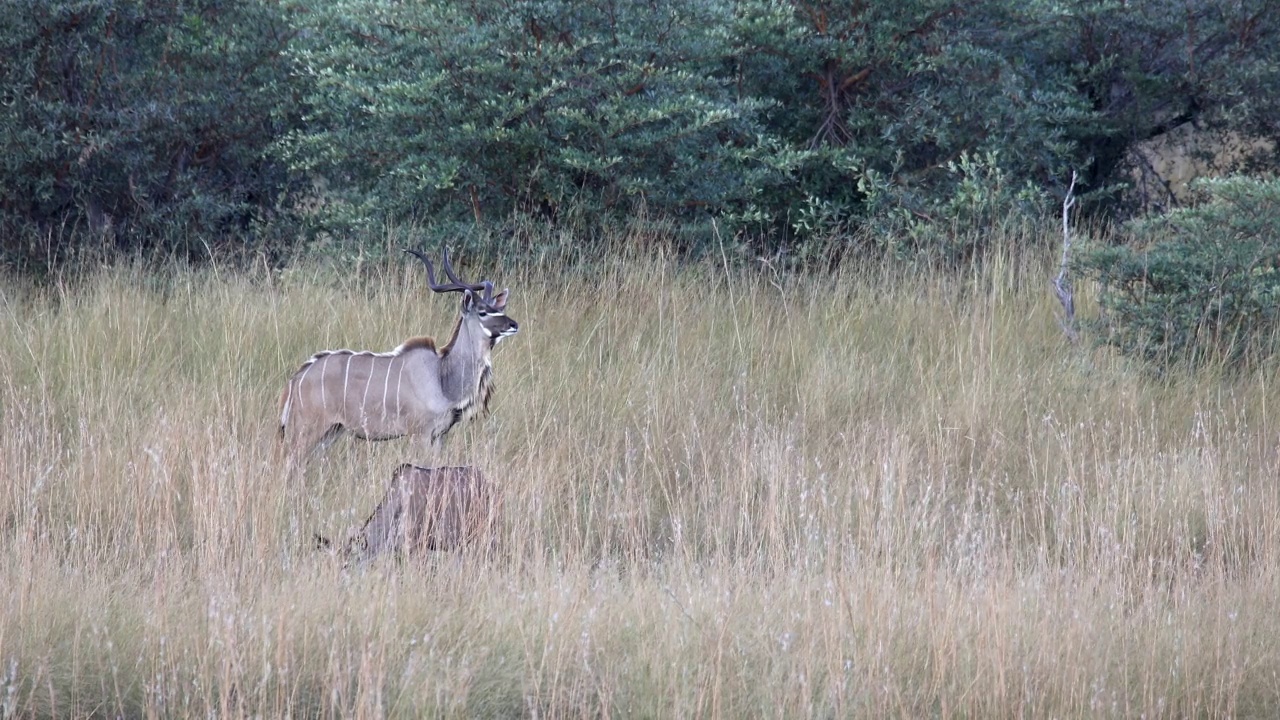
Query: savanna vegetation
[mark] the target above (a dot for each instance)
(255, 127)
(727, 493)
(791, 427)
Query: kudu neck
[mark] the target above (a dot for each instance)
(464, 358)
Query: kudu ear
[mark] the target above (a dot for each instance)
(468, 300)
(500, 300)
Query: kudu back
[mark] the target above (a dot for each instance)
(426, 509)
(419, 389)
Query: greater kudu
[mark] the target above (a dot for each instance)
(418, 389)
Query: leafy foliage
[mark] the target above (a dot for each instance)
(888, 100)
(1144, 67)
(143, 123)
(481, 109)
(1202, 282)
(804, 127)
(952, 224)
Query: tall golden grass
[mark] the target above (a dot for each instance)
(728, 493)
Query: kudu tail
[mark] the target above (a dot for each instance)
(284, 455)
(286, 402)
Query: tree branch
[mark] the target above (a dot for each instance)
(1061, 284)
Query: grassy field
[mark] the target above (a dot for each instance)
(727, 493)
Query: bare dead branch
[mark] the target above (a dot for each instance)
(1062, 284)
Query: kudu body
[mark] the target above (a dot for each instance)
(425, 509)
(418, 389)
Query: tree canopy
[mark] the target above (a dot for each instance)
(257, 124)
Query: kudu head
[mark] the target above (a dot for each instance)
(480, 306)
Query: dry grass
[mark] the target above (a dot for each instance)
(727, 495)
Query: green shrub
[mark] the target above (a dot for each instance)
(478, 111)
(138, 126)
(955, 222)
(809, 131)
(1196, 283)
(903, 114)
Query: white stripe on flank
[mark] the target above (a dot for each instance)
(301, 379)
(324, 403)
(364, 401)
(346, 376)
(386, 386)
(399, 383)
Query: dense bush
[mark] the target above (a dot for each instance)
(794, 121)
(899, 108)
(798, 124)
(138, 125)
(483, 109)
(1145, 67)
(1197, 283)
